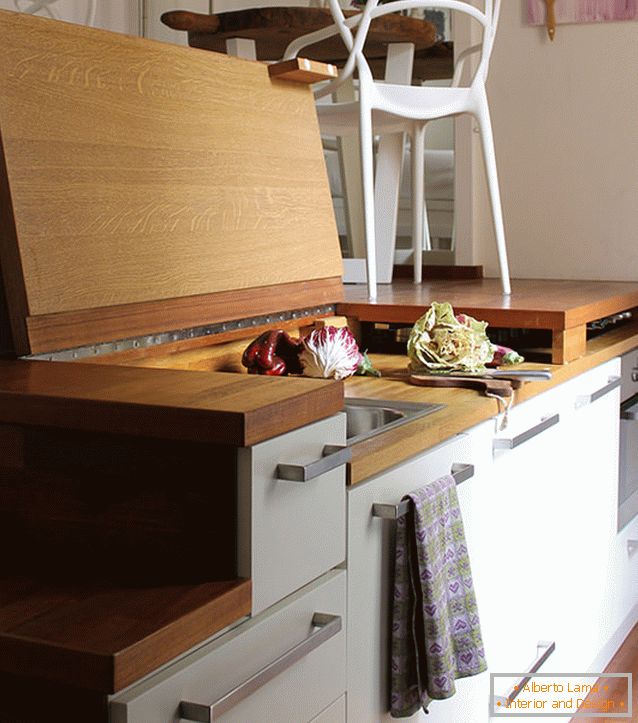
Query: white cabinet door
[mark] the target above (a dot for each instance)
(588, 517)
(291, 532)
(370, 571)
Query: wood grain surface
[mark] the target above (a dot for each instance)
(67, 330)
(274, 28)
(533, 304)
(302, 70)
(170, 404)
(463, 407)
(105, 637)
(143, 171)
(563, 307)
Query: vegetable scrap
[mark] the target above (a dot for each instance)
(442, 341)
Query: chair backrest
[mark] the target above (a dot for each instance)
(44, 6)
(360, 24)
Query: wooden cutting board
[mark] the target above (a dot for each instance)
(499, 387)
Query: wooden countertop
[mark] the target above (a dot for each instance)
(104, 638)
(464, 408)
(533, 303)
(234, 409)
(562, 307)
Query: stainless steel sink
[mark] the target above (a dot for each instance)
(367, 417)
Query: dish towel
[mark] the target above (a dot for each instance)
(436, 636)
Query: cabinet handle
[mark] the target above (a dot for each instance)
(584, 399)
(632, 547)
(513, 442)
(333, 456)
(460, 472)
(328, 626)
(543, 650)
(628, 408)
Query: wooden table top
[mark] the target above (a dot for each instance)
(274, 28)
(533, 304)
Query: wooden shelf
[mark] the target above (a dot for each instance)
(563, 307)
(104, 637)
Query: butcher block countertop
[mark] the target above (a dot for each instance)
(562, 307)
(105, 637)
(232, 409)
(464, 408)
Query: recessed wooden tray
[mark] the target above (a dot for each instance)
(104, 637)
(563, 307)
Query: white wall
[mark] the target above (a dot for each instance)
(565, 118)
(121, 16)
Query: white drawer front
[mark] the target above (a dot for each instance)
(290, 532)
(297, 694)
(335, 713)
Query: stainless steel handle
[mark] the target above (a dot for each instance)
(629, 408)
(585, 399)
(328, 626)
(460, 472)
(544, 649)
(513, 442)
(632, 547)
(333, 456)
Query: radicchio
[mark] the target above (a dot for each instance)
(330, 353)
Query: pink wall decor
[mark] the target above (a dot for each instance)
(583, 11)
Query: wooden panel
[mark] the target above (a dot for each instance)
(11, 447)
(104, 506)
(49, 701)
(105, 637)
(142, 171)
(569, 344)
(52, 332)
(237, 409)
(12, 280)
(533, 304)
(302, 70)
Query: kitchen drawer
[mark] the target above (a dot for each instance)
(299, 693)
(290, 532)
(335, 713)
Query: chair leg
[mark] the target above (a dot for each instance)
(419, 217)
(487, 140)
(367, 177)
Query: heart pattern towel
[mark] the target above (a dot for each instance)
(436, 635)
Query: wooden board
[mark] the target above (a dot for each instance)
(564, 307)
(104, 637)
(141, 172)
(234, 409)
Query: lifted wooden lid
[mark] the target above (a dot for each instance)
(147, 187)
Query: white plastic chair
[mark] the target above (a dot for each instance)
(391, 108)
(32, 7)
